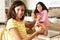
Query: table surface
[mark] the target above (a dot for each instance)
(51, 34)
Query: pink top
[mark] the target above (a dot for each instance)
(44, 17)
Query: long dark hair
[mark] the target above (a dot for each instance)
(11, 11)
(43, 7)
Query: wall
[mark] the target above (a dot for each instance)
(31, 4)
(2, 11)
(49, 3)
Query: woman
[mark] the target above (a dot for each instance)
(15, 23)
(40, 15)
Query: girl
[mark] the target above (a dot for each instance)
(40, 15)
(15, 24)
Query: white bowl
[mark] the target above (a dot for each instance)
(28, 18)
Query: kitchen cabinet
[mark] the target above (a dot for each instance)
(8, 3)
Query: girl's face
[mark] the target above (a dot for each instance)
(39, 7)
(19, 11)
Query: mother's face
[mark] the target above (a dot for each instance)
(20, 11)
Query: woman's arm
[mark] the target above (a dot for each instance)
(44, 16)
(16, 34)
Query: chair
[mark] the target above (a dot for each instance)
(1, 32)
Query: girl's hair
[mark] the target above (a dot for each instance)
(43, 7)
(11, 12)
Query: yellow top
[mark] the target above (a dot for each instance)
(19, 25)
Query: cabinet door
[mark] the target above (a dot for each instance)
(7, 3)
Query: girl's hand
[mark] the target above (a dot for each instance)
(38, 17)
(40, 30)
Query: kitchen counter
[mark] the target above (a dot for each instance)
(50, 36)
(55, 24)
